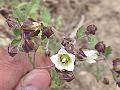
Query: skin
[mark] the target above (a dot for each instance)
(17, 73)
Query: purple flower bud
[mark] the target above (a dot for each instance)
(91, 29)
(66, 75)
(28, 45)
(11, 22)
(118, 83)
(27, 33)
(47, 31)
(66, 41)
(80, 54)
(116, 65)
(70, 48)
(100, 47)
(12, 50)
(30, 24)
(4, 12)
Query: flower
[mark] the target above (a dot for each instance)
(91, 55)
(63, 60)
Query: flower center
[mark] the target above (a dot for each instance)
(64, 58)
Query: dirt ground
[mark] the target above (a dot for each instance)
(105, 14)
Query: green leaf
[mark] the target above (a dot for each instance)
(98, 73)
(17, 32)
(19, 14)
(40, 49)
(45, 15)
(22, 5)
(55, 85)
(108, 51)
(92, 41)
(34, 6)
(80, 32)
(16, 41)
(54, 45)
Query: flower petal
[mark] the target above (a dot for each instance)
(54, 58)
(70, 67)
(72, 57)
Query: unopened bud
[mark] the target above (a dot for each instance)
(47, 31)
(30, 24)
(12, 50)
(116, 65)
(12, 23)
(91, 29)
(80, 54)
(100, 47)
(66, 75)
(28, 46)
(106, 81)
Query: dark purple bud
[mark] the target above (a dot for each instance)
(70, 48)
(66, 41)
(12, 50)
(47, 31)
(28, 45)
(116, 65)
(11, 22)
(35, 33)
(118, 83)
(91, 29)
(30, 24)
(26, 23)
(4, 12)
(80, 54)
(27, 33)
(100, 47)
(66, 75)
(106, 81)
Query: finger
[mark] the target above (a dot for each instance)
(12, 69)
(38, 79)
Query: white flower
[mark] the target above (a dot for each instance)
(91, 55)
(63, 60)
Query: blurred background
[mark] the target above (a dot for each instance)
(105, 14)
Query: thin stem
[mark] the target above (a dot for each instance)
(47, 45)
(34, 60)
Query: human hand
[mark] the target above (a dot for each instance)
(14, 72)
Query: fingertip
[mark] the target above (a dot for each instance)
(38, 79)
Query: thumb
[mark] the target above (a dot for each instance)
(38, 79)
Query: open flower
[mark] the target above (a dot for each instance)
(63, 60)
(91, 55)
